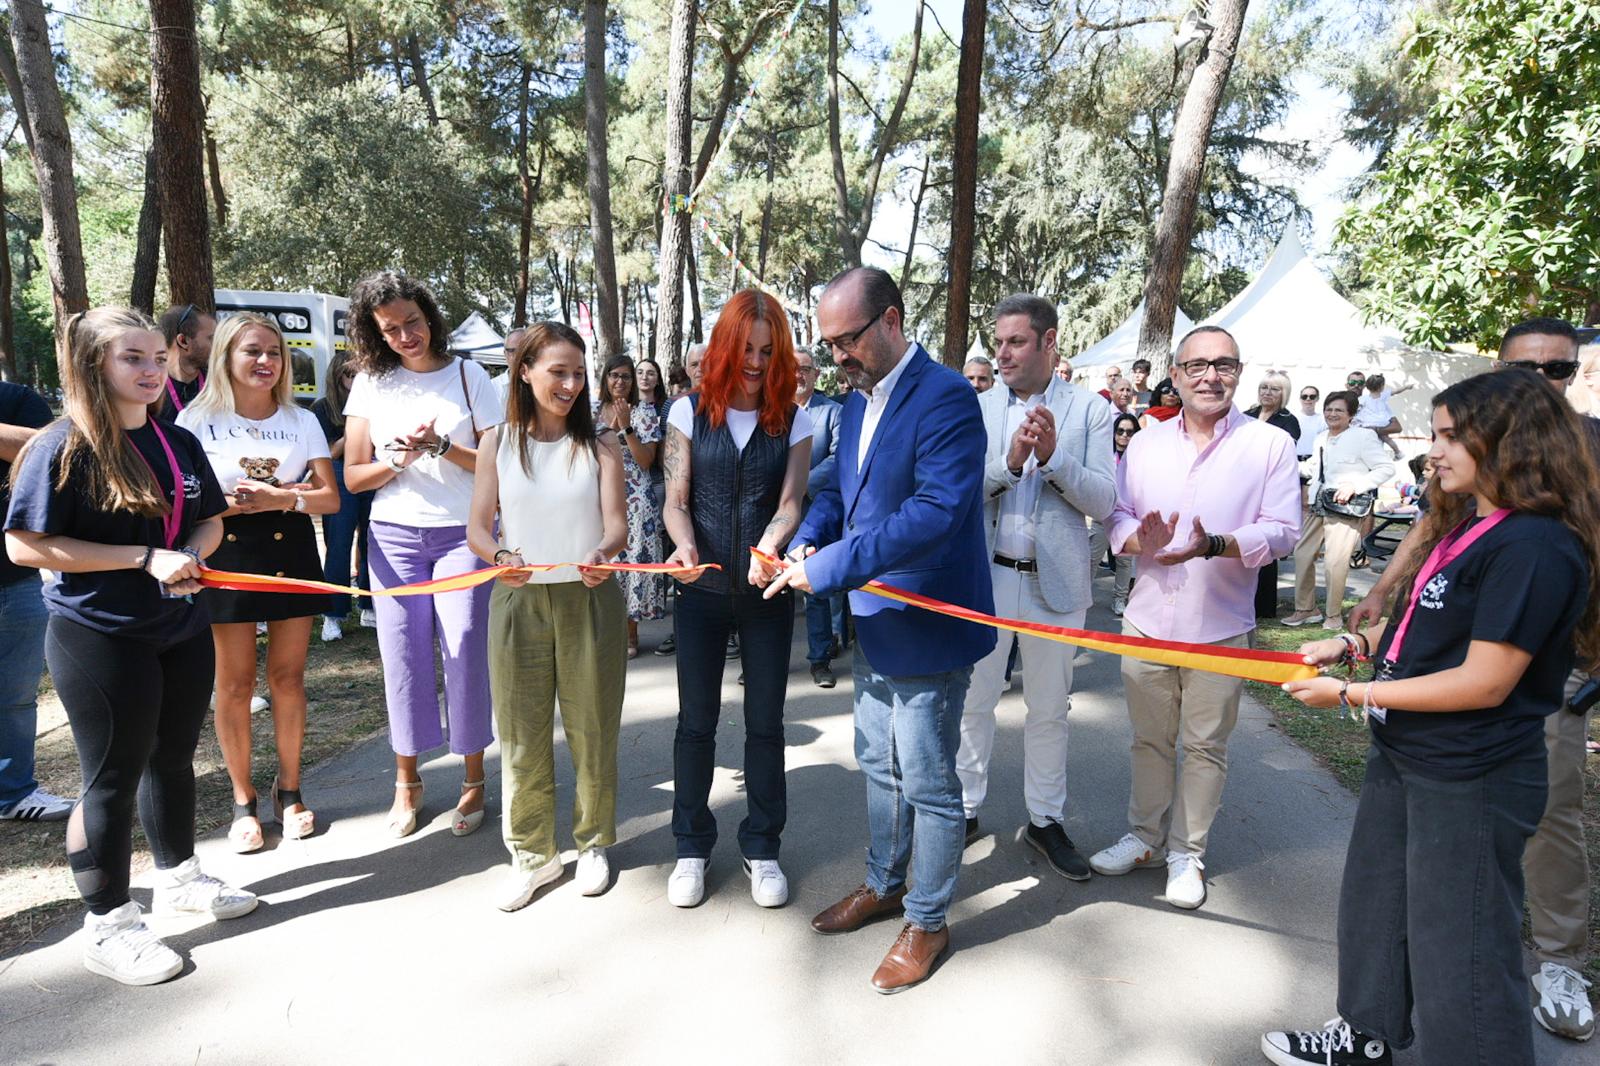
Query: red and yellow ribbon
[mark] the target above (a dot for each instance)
(225, 579)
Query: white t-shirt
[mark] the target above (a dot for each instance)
(742, 424)
(430, 493)
(277, 450)
(1374, 412)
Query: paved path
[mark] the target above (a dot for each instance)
(371, 951)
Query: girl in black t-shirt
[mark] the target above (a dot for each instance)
(1475, 655)
(123, 506)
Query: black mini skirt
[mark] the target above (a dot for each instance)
(273, 543)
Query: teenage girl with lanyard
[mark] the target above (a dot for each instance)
(124, 506)
(1481, 642)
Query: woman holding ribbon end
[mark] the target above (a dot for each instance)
(560, 491)
(271, 458)
(1484, 635)
(123, 506)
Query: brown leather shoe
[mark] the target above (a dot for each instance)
(911, 959)
(857, 909)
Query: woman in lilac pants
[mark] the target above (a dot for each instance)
(412, 424)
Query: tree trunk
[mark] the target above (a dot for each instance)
(732, 60)
(419, 71)
(8, 335)
(215, 172)
(608, 329)
(692, 269)
(13, 80)
(1191, 134)
(178, 120)
(519, 313)
(916, 218)
(676, 181)
(964, 181)
(52, 164)
(841, 185)
(147, 247)
(764, 240)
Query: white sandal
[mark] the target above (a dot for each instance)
(465, 824)
(406, 825)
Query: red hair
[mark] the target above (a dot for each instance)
(724, 359)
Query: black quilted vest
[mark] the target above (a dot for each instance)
(733, 494)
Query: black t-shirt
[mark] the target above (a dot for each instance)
(127, 603)
(1525, 582)
(334, 433)
(186, 390)
(19, 406)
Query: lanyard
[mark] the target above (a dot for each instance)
(172, 391)
(1444, 553)
(173, 522)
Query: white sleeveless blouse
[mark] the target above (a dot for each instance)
(553, 514)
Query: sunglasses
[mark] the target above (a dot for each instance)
(1555, 370)
(1309, 397)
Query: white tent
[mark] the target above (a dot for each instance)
(1121, 346)
(476, 338)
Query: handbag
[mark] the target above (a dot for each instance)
(1358, 506)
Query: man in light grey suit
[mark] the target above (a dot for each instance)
(1048, 467)
(824, 412)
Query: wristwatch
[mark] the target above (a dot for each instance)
(300, 500)
(392, 461)
(625, 432)
(442, 445)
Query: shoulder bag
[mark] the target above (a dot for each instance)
(1358, 506)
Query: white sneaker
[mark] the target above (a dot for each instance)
(38, 806)
(520, 885)
(768, 886)
(1563, 1006)
(686, 886)
(257, 703)
(1119, 605)
(369, 618)
(1129, 853)
(1186, 887)
(120, 946)
(332, 629)
(594, 872)
(185, 889)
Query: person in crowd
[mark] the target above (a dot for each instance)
(1113, 375)
(1166, 403)
(558, 636)
(1311, 421)
(1047, 469)
(1346, 461)
(677, 383)
(1272, 408)
(908, 510)
(346, 528)
(1556, 863)
(639, 429)
(271, 460)
(694, 364)
(1123, 427)
(1064, 368)
(1585, 392)
(980, 372)
(508, 347)
(1203, 501)
(188, 330)
(1140, 372)
(738, 456)
(823, 639)
(1500, 591)
(1376, 414)
(1123, 397)
(412, 425)
(123, 506)
(23, 412)
(653, 393)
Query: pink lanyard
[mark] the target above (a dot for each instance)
(1444, 553)
(172, 391)
(173, 522)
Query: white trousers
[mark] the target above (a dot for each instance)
(1046, 691)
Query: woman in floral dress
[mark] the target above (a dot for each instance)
(639, 427)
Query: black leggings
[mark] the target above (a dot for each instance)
(136, 711)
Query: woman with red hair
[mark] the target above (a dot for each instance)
(738, 455)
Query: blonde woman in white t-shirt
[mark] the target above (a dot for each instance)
(412, 425)
(557, 482)
(271, 459)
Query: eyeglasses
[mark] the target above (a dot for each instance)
(800, 369)
(1125, 431)
(1309, 397)
(1555, 369)
(848, 342)
(1195, 369)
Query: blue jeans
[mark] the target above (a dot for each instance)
(340, 530)
(22, 622)
(820, 628)
(907, 732)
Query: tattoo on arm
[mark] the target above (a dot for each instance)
(675, 463)
(781, 522)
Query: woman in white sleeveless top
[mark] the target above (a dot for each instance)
(559, 488)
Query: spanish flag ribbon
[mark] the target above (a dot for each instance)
(224, 579)
(1269, 667)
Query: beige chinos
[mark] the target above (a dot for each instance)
(1555, 863)
(1339, 537)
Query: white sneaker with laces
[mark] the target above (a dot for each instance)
(768, 886)
(1186, 886)
(38, 806)
(1129, 853)
(686, 886)
(1563, 1006)
(120, 946)
(594, 872)
(186, 889)
(1119, 605)
(520, 885)
(332, 629)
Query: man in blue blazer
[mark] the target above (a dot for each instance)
(907, 510)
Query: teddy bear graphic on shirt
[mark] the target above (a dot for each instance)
(262, 470)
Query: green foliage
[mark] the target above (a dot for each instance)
(1486, 211)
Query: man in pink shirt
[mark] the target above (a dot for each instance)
(1204, 500)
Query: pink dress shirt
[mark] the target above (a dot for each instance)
(1246, 483)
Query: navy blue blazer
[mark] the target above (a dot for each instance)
(911, 517)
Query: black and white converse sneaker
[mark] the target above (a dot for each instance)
(1335, 1044)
